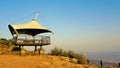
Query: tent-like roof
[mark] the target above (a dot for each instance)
(32, 28)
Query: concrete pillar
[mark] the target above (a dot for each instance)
(35, 49)
(40, 51)
(23, 52)
(20, 49)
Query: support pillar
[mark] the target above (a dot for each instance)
(19, 49)
(35, 49)
(23, 52)
(41, 50)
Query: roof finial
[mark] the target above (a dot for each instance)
(36, 15)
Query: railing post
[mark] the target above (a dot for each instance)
(49, 39)
(46, 39)
(42, 40)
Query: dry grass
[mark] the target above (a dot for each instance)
(42, 61)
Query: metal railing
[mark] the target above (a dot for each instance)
(42, 40)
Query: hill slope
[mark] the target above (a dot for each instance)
(42, 61)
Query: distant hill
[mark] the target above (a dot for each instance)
(97, 63)
(109, 59)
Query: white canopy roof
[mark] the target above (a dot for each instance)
(32, 24)
(32, 28)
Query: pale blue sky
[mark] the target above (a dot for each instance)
(86, 26)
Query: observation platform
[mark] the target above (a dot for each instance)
(29, 34)
(41, 40)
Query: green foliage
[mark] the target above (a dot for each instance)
(56, 51)
(4, 41)
(64, 53)
(80, 57)
(10, 42)
(15, 49)
(70, 53)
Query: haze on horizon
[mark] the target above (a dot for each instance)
(88, 26)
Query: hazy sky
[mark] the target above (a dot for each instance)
(88, 26)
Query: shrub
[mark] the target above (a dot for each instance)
(56, 51)
(4, 41)
(15, 48)
(64, 53)
(70, 53)
(81, 59)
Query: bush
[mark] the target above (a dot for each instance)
(4, 41)
(81, 59)
(15, 48)
(70, 54)
(56, 51)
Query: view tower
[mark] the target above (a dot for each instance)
(29, 34)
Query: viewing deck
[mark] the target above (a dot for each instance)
(35, 41)
(30, 34)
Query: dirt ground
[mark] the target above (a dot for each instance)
(41, 61)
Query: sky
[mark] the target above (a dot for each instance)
(87, 26)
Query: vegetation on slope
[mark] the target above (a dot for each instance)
(81, 59)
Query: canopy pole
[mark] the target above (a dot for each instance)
(36, 15)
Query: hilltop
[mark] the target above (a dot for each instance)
(41, 61)
(10, 58)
